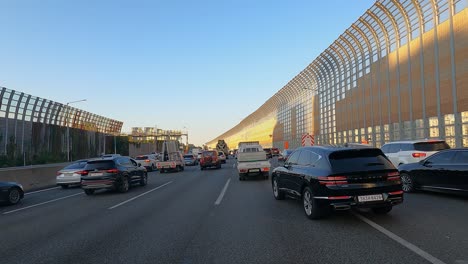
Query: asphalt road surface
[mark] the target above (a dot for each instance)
(210, 216)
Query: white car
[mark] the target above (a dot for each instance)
(403, 152)
(70, 174)
(222, 157)
(147, 161)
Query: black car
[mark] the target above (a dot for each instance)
(444, 171)
(339, 178)
(11, 192)
(117, 173)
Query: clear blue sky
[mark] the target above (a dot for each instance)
(164, 63)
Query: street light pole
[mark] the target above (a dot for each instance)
(68, 127)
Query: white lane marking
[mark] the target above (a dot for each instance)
(131, 199)
(42, 190)
(221, 195)
(234, 166)
(400, 240)
(34, 205)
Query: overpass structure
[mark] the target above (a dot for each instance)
(399, 72)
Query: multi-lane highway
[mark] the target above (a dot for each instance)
(209, 216)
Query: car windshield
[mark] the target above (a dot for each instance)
(359, 160)
(188, 156)
(431, 146)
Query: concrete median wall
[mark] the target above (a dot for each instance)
(32, 177)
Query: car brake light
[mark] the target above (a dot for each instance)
(112, 171)
(332, 180)
(393, 176)
(147, 160)
(243, 170)
(396, 193)
(338, 197)
(418, 155)
(58, 173)
(82, 173)
(266, 169)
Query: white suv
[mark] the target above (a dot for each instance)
(403, 152)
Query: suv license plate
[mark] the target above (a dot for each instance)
(370, 198)
(254, 170)
(96, 174)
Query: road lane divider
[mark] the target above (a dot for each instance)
(45, 190)
(138, 196)
(39, 204)
(400, 240)
(223, 191)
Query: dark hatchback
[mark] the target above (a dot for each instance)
(11, 192)
(445, 171)
(117, 173)
(339, 178)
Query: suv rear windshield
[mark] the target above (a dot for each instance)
(208, 153)
(77, 165)
(431, 146)
(188, 156)
(359, 160)
(100, 165)
(141, 157)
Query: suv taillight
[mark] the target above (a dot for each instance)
(112, 171)
(393, 176)
(332, 180)
(147, 160)
(82, 173)
(418, 155)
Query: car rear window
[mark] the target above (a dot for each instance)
(141, 157)
(77, 165)
(208, 153)
(359, 160)
(100, 165)
(431, 146)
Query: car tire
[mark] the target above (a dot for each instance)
(14, 196)
(202, 168)
(64, 186)
(89, 191)
(277, 193)
(407, 183)
(182, 168)
(153, 167)
(161, 171)
(382, 210)
(144, 179)
(123, 185)
(311, 207)
(218, 166)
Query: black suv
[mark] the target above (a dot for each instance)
(339, 178)
(117, 173)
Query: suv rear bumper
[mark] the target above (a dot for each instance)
(347, 202)
(99, 183)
